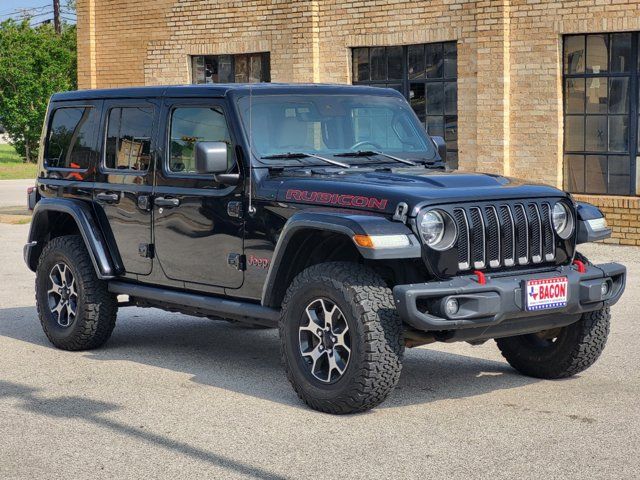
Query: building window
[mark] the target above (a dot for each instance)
(601, 78)
(426, 75)
(243, 68)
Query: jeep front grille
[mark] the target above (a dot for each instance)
(504, 235)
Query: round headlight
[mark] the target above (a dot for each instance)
(562, 220)
(437, 229)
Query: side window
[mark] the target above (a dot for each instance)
(190, 125)
(128, 144)
(70, 138)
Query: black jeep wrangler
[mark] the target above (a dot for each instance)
(326, 211)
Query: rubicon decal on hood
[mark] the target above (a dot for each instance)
(340, 199)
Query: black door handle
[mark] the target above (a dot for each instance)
(108, 197)
(166, 202)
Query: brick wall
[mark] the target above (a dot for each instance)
(509, 56)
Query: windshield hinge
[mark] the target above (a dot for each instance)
(400, 215)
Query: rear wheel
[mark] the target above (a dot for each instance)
(561, 352)
(76, 310)
(341, 338)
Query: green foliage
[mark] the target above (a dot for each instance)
(34, 64)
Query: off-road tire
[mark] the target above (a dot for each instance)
(377, 343)
(96, 307)
(575, 349)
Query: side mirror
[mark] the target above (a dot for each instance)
(441, 146)
(211, 157)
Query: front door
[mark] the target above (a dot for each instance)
(125, 180)
(198, 232)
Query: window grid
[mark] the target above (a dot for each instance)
(598, 164)
(239, 68)
(426, 74)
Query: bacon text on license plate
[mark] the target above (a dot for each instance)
(547, 293)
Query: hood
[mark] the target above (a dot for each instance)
(383, 190)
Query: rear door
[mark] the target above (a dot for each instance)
(125, 179)
(198, 229)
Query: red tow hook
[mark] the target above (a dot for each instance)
(580, 265)
(482, 280)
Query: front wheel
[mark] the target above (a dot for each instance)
(560, 352)
(341, 338)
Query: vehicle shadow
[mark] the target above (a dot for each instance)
(247, 360)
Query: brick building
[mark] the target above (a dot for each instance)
(539, 89)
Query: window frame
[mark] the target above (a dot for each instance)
(166, 170)
(405, 83)
(105, 131)
(633, 111)
(46, 149)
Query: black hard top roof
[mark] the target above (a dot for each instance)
(219, 90)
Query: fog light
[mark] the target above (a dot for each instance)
(604, 289)
(451, 307)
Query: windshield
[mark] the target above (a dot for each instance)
(333, 125)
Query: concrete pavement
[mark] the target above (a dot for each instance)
(172, 396)
(13, 193)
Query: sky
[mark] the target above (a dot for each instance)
(43, 9)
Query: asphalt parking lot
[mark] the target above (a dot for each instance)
(172, 396)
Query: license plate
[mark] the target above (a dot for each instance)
(547, 293)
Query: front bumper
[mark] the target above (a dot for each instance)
(502, 300)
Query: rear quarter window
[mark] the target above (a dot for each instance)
(70, 138)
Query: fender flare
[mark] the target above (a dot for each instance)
(344, 223)
(83, 215)
(585, 232)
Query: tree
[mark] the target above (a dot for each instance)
(34, 64)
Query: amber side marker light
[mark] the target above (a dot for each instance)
(381, 241)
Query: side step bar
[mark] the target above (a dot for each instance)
(215, 306)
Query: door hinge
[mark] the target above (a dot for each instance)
(146, 250)
(234, 209)
(237, 261)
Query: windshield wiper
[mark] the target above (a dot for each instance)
(305, 155)
(368, 153)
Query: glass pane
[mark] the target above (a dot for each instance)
(596, 133)
(225, 70)
(241, 68)
(574, 133)
(597, 53)
(619, 175)
(395, 86)
(378, 64)
(197, 70)
(191, 125)
(70, 125)
(255, 68)
(452, 159)
(416, 61)
(618, 95)
(451, 131)
(574, 95)
(128, 143)
(417, 100)
(435, 126)
(450, 60)
(394, 63)
(574, 173)
(596, 167)
(435, 98)
(574, 55)
(597, 95)
(621, 52)
(360, 64)
(451, 98)
(434, 60)
(619, 133)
